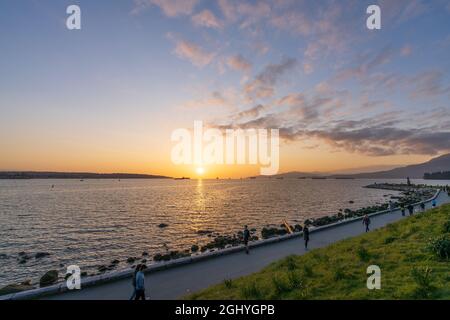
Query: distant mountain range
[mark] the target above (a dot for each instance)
(415, 171)
(74, 175)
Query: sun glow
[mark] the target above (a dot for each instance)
(200, 171)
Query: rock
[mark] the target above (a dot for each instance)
(26, 282)
(3, 256)
(67, 276)
(49, 278)
(40, 255)
(351, 201)
(163, 225)
(22, 253)
(13, 288)
(144, 260)
(272, 232)
(145, 254)
(115, 261)
(131, 259)
(102, 268)
(194, 248)
(84, 274)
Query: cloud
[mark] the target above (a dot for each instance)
(365, 64)
(214, 99)
(308, 68)
(383, 140)
(228, 10)
(239, 63)
(400, 11)
(191, 52)
(207, 19)
(406, 51)
(294, 22)
(250, 113)
(171, 8)
(429, 84)
(263, 85)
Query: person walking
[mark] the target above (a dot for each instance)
(411, 209)
(246, 236)
(402, 208)
(133, 281)
(306, 236)
(366, 222)
(140, 284)
(433, 203)
(391, 206)
(422, 206)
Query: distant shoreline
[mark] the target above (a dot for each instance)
(27, 175)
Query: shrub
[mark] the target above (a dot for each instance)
(440, 246)
(423, 278)
(339, 274)
(389, 240)
(295, 280)
(447, 227)
(280, 285)
(363, 254)
(228, 283)
(308, 270)
(291, 263)
(251, 291)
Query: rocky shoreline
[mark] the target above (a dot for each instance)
(409, 194)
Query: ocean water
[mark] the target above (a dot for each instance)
(90, 223)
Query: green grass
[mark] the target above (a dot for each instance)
(411, 267)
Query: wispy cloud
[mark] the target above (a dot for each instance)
(171, 8)
(207, 19)
(239, 63)
(429, 84)
(192, 52)
(262, 86)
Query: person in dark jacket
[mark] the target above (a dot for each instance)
(246, 236)
(306, 236)
(133, 281)
(411, 209)
(402, 208)
(422, 206)
(140, 284)
(366, 222)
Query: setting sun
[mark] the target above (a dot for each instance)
(200, 171)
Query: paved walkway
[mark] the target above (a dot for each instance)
(179, 281)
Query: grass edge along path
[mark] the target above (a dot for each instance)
(411, 253)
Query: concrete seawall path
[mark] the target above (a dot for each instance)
(177, 282)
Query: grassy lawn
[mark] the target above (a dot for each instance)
(410, 267)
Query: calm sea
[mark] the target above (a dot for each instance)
(92, 222)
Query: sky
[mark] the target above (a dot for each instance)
(106, 98)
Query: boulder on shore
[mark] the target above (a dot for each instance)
(49, 278)
(40, 255)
